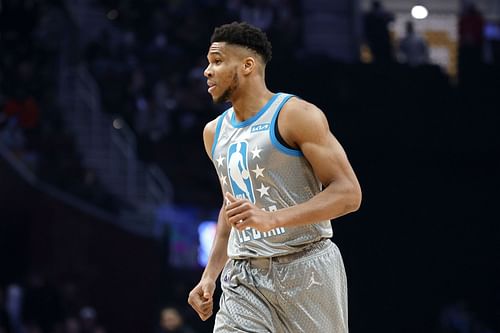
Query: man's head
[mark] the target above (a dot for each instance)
(237, 52)
(409, 27)
(170, 319)
(376, 5)
(245, 35)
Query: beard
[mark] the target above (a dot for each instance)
(228, 93)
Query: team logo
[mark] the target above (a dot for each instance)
(237, 169)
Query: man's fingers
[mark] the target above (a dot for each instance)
(237, 208)
(230, 197)
(205, 310)
(200, 299)
(205, 316)
(238, 218)
(201, 307)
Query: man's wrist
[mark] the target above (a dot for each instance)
(209, 276)
(278, 219)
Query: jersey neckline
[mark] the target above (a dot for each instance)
(245, 123)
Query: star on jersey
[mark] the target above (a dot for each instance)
(220, 161)
(258, 172)
(263, 190)
(256, 152)
(223, 180)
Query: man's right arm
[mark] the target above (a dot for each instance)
(201, 297)
(218, 254)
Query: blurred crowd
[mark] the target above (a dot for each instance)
(39, 306)
(151, 75)
(31, 124)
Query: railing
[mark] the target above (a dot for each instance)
(110, 152)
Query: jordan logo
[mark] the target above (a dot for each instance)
(313, 282)
(237, 169)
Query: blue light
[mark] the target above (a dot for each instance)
(206, 235)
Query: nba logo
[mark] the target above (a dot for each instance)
(237, 169)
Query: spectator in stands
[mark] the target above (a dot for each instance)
(376, 31)
(40, 303)
(24, 111)
(285, 31)
(14, 307)
(99, 329)
(171, 321)
(69, 295)
(89, 322)
(470, 40)
(71, 325)
(413, 49)
(32, 328)
(88, 319)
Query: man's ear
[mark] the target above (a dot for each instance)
(248, 65)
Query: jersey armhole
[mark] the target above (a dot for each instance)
(276, 138)
(217, 131)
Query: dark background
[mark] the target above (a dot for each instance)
(422, 254)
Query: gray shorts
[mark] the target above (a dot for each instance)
(300, 292)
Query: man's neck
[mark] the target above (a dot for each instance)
(250, 102)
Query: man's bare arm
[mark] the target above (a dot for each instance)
(201, 297)
(304, 126)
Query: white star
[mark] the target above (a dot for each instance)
(220, 160)
(263, 190)
(258, 172)
(223, 179)
(256, 152)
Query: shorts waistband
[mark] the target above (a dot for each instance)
(308, 250)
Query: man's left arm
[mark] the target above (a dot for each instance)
(304, 126)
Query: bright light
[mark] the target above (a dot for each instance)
(206, 234)
(419, 12)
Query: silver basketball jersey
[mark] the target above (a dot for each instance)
(253, 164)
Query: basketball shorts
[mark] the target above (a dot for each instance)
(300, 292)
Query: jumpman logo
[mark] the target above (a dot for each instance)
(238, 171)
(313, 282)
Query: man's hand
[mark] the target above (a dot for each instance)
(241, 213)
(201, 298)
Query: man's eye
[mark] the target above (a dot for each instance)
(218, 61)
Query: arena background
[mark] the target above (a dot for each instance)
(104, 181)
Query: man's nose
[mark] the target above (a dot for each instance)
(207, 72)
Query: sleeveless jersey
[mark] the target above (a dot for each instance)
(252, 164)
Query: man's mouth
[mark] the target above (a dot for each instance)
(211, 86)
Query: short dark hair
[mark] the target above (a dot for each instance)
(246, 35)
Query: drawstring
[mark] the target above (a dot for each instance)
(271, 269)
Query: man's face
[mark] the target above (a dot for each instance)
(222, 71)
(170, 320)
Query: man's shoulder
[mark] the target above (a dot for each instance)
(299, 107)
(211, 126)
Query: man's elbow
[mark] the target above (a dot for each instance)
(355, 198)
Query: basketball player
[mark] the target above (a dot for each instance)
(283, 177)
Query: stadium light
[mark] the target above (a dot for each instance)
(419, 12)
